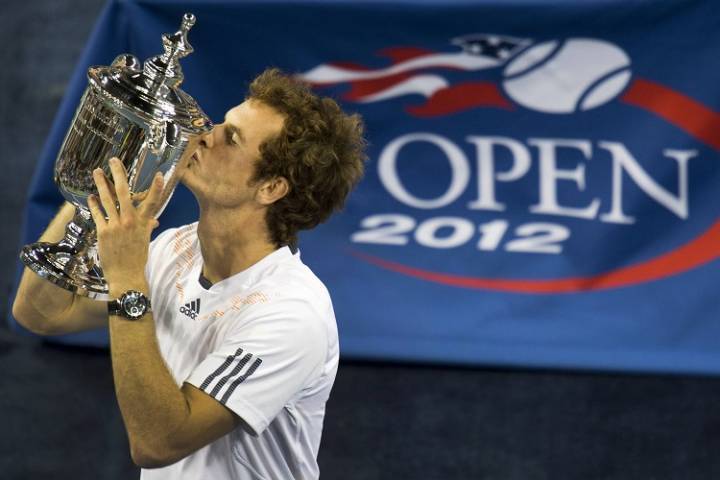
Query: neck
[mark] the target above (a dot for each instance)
(232, 240)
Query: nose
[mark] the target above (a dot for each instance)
(208, 139)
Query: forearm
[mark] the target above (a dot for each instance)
(38, 302)
(153, 406)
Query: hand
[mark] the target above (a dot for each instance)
(123, 237)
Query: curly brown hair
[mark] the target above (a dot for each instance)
(320, 151)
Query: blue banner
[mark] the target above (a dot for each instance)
(542, 184)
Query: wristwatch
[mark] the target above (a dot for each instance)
(131, 305)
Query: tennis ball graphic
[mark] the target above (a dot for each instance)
(578, 74)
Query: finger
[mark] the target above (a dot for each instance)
(139, 197)
(106, 198)
(122, 189)
(151, 202)
(97, 214)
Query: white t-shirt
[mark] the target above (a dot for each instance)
(262, 342)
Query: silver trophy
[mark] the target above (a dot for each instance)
(138, 114)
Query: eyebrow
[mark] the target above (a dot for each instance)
(232, 129)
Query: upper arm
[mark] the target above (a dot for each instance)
(207, 420)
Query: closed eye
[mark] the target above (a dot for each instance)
(233, 134)
(231, 137)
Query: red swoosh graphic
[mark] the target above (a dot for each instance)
(680, 110)
(348, 66)
(395, 54)
(363, 88)
(699, 251)
(463, 96)
(403, 54)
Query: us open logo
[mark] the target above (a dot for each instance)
(530, 172)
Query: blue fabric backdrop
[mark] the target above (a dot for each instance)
(542, 179)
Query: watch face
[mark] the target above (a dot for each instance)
(134, 304)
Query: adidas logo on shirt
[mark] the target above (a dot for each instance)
(191, 309)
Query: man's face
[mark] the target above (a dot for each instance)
(220, 169)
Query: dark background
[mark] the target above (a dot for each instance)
(60, 419)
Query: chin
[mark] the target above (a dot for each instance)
(185, 177)
(187, 181)
(190, 182)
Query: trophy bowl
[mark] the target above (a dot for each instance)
(138, 114)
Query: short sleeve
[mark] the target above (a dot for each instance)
(265, 361)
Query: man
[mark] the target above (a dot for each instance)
(227, 374)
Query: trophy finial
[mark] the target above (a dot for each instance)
(176, 46)
(188, 21)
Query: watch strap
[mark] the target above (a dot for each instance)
(114, 307)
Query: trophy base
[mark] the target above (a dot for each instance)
(65, 268)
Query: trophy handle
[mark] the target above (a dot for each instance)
(72, 262)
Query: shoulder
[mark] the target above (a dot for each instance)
(292, 299)
(293, 281)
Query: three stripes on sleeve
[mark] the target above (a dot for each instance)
(220, 384)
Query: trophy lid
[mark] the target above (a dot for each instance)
(153, 93)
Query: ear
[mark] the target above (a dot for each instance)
(273, 190)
